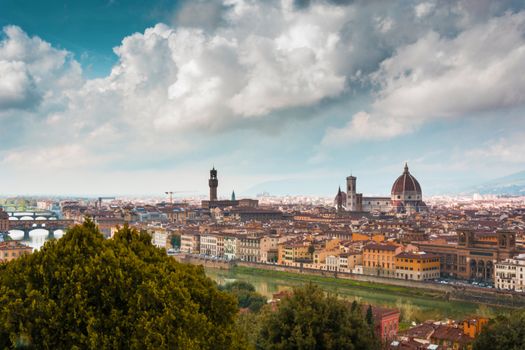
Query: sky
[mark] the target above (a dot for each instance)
(290, 97)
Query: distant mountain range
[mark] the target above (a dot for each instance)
(508, 185)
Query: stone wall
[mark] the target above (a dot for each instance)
(206, 262)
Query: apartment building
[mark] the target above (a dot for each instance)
(269, 248)
(212, 244)
(418, 266)
(190, 243)
(509, 274)
(250, 248)
(231, 247)
(379, 259)
(294, 253)
(11, 250)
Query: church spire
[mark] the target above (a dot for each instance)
(406, 167)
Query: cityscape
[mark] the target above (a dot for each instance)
(285, 174)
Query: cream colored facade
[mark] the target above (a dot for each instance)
(250, 248)
(160, 238)
(189, 243)
(231, 247)
(212, 245)
(509, 274)
(269, 248)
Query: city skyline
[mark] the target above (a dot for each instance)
(140, 98)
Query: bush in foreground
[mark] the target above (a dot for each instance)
(310, 319)
(246, 295)
(503, 332)
(86, 292)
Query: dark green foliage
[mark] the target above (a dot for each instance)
(311, 249)
(355, 306)
(85, 292)
(309, 319)
(503, 332)
(369, 316)
(175, 241)
(246, 295)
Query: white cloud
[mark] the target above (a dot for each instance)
(33, 72)
(246, 64)
(510, 150)
(423, 9)
(439, 77)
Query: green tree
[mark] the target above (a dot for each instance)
(311, 249)
(309, 319)
(355, 306)
(85, 292)
(246, 295)
(503, 332)
(369, 316)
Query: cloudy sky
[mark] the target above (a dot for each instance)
(142, 97)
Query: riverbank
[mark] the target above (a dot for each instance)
(415, 305)
(484, 296)
(374, 284)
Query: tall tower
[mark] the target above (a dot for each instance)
(351, 203)
(214, 183)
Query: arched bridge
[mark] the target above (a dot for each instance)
(29, 225)
(33, 215)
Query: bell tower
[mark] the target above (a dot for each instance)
(351, 195)
(214, 183)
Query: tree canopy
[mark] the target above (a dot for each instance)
(246, 295)
(503, 332)
(84, 291)
(310, 319)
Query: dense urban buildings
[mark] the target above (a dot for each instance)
(468, 242)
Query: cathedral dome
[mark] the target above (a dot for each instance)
(406, 187)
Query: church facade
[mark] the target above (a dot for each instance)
(405, 197)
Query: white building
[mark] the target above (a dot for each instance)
(160, 238)
(343, 262)
(212, 245)
(332, 263)
(231, 247)
(189, 243)
(509, 274)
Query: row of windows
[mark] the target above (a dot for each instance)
(418, 260)
(418, 269)
(13, 254)
(417, 277)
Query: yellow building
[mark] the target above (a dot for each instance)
(11, 250)
(291, 253)
(379, 259)
(418, 266)
(473, 326)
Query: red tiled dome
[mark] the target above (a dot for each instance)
(406, 183)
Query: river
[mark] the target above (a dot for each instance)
(414, 308)
(37, 237)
